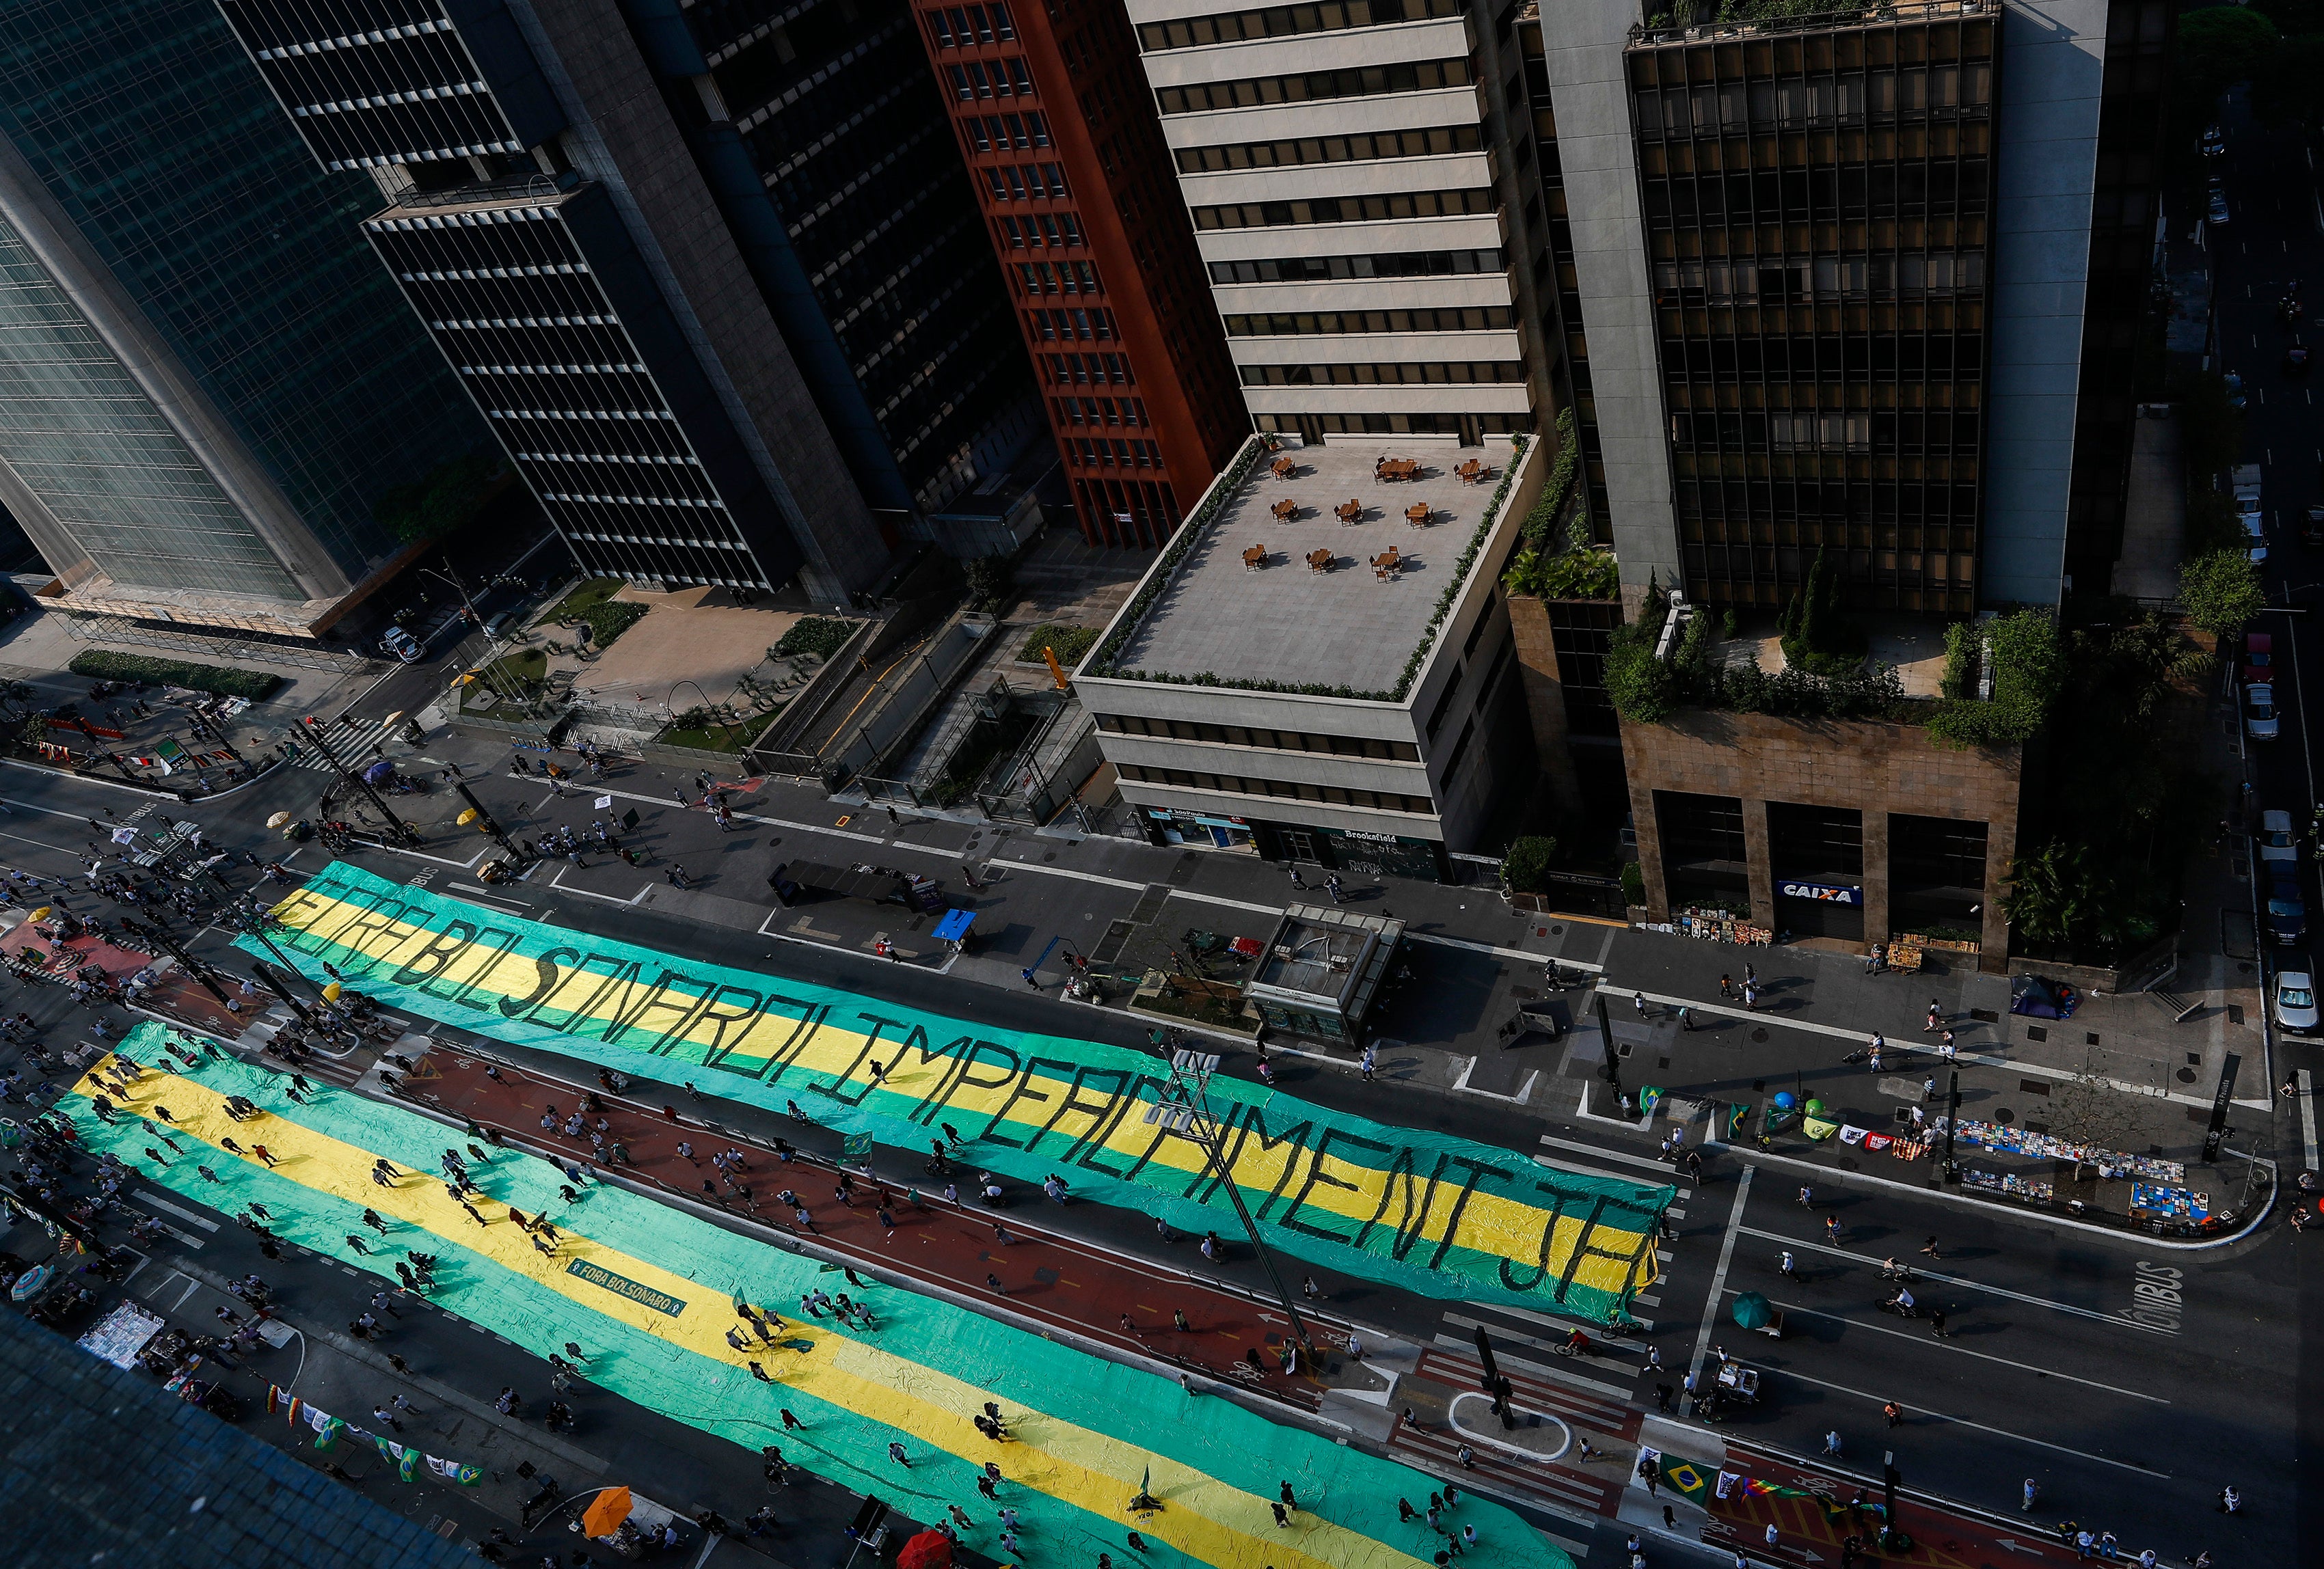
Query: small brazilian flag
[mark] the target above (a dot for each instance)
(1686, 1479)
(856, 1147)
(407, 1465)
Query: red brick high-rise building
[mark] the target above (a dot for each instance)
(1057, 126)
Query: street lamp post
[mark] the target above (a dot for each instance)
(251, 924)
(1190, 1073)
(484, 820)
(194, 967)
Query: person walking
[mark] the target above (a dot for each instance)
(1369, 1063)
(1936, 1017)
(896, 1453)
(1807, 1197)
(1831, 1230)
(381, 1414)
(1789, 1268)
(1893, 1412)
(1639, 1001)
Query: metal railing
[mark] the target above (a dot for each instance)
(88, 627)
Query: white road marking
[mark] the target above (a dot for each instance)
(1718, 1279)
(1962, 1281)
(1965, 1422)
(1964, 1350)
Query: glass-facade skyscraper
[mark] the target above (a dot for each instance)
(207, 387)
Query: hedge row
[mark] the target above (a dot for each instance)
(104, 664)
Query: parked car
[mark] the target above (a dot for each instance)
(2260, 723)
(2235, 386)
(2287, 911)
(2259, 656)
(2312, 530)
(2295, 360)
(2255, 531)
(2295, 999)
(2215, 141)
(2216, 209)
(2276, 841)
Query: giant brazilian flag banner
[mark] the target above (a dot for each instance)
(1439, 1215)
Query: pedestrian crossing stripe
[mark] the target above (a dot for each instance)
(1438, 1215)
(351, 739)
(858, 1397)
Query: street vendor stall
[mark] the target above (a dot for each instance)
(122, 1333)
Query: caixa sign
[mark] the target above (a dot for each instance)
(1822, 893)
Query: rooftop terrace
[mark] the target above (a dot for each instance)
(1304, 598)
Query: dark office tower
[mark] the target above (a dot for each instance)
(1068, 163)
(614, 219)
(1861, 282)
(1816, 206)
(875, 262)
(211, 400)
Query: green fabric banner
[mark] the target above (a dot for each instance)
(1438, 1216)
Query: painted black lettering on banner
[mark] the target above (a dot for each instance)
(1101, 1139)
(1023, 1091)
(731, 1057)
(1162, 1136)
(485, 966)
(1558, 1199)
(298, 914)
(940, 1100)
(1099, 1112)
(548, 977)
(1641, 1241)
(706, 1011)
(961, 1051)
(609, 977)
(1315, 1174)
(1477, 1171)
(1255, 1117)
(1413, 1225)
(623, 1016)
(383, 915)
(443, 947)
(842, 1087)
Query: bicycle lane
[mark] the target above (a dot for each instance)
(1050, 1279)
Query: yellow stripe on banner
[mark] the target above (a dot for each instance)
(1208, 1520)
(1334, 1182)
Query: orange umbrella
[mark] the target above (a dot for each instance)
(606, 1512)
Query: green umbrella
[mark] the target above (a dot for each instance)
(1752, 1312)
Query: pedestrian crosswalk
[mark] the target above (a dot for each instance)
(351, 739)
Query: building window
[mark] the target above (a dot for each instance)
(1278, 789)
(1284, 21)
(1397, 424)
(1356, 209)
(1432, 373)
(1355, 82)
(1255, 736)
(1433, 142)
(1469, 318)
(1341, 269)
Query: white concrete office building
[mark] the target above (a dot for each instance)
(1338, 162)
(1319, 667)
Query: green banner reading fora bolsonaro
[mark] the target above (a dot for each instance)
(1438, 1216)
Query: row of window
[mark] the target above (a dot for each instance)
(1451, 319)
(1881, 355)
(1355, 209)
(987, 132)
(1467, 427)
(963, 26)
(1819, 432)
(1058, 276)
(1282, 789)
(1016, 182)
(1130, 411)
(1432, 141)
(1340, 268)
(1938, 188)
(1104, 452)
(1801, 279)
(1442, 372)
(1796, 101)
(1086, 324)
(1000, 78)
(1254, 736)
(1047, 231)
(1065, 370)
(1288, 21)
(1354, 82)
